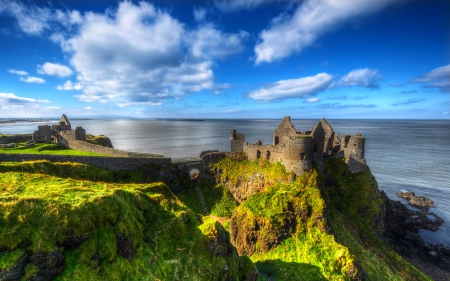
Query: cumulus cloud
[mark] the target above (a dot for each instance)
(363, 77)
(7, 99)
(209, 43)
(18, 72)
(31, 79)
(132, 54)
(69, 86)
(293, 88)
(139, 55)
(289, 34)
(409, 101)
(54, 69)
(437, 78)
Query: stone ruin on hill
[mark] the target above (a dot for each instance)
(76, 139)
(298, 150)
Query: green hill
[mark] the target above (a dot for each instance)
(67, 221)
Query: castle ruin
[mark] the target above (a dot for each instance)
(298, 150)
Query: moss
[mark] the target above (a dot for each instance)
(9, 258)
(234, 171)
(47, 148)
(355, 214)
(166, 241)
(218, 199)
(30, 271)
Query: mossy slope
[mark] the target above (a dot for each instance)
(109, 231)
(318, 227)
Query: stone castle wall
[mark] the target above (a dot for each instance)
(68, 138)
(4, 139)
(111, 163)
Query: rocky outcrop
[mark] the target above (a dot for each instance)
(99, 140)
(46, 267)
(401, 232)
(417, 201)
(245, 186)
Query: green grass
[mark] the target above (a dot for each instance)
(355, 206)
(48, 149)
(169, 242)
(218, 199)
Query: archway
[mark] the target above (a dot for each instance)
(194, 173)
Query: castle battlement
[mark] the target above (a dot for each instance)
(297, 151)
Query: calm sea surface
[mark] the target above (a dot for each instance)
(412, 155)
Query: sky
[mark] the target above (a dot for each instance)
(358, 59)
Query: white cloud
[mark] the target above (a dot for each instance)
(18, 72)
(210, 43)
(446, 112)
(31, 19)
(130, 54)
(437, 78)
(231, 5)
(55, 69)
(293, 88)
(363, 77)
(31, 79)
(69, 86)
(8, 99)
(312, 100)
(139, 55)
(88, 108)
(199, 14)
(289, 34)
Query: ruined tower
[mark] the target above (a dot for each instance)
(354, 152)
(298, 153)
(237, 141)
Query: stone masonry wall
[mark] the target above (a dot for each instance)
(4, 139)
(284, 129)
(111, 163)
(68, 139)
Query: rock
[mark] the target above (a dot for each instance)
(421, 202)
(417, 201)
(406, 195)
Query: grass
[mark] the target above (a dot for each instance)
(316, 248)
(356, 206)
(169, 242)
(48, 149)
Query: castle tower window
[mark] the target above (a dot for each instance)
(315, 148)
(267, 154)
(302, 156)
(276, 140)
(258, 154)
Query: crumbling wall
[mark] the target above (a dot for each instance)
(237, 141)
(298, 153)
(318, 134)
(43, 134)
(284, 129)
(5, 139)
(354, 153)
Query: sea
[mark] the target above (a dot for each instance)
(403, 155)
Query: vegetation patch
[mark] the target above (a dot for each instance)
(355, 212)
(109, 231)
(47, 148)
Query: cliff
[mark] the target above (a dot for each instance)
(54, 227)
(319, 226)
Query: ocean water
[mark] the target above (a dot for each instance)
(412, 155)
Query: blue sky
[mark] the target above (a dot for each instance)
(226, 59)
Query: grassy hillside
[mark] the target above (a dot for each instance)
(315, 228)
(92, 230)
(46, 148)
